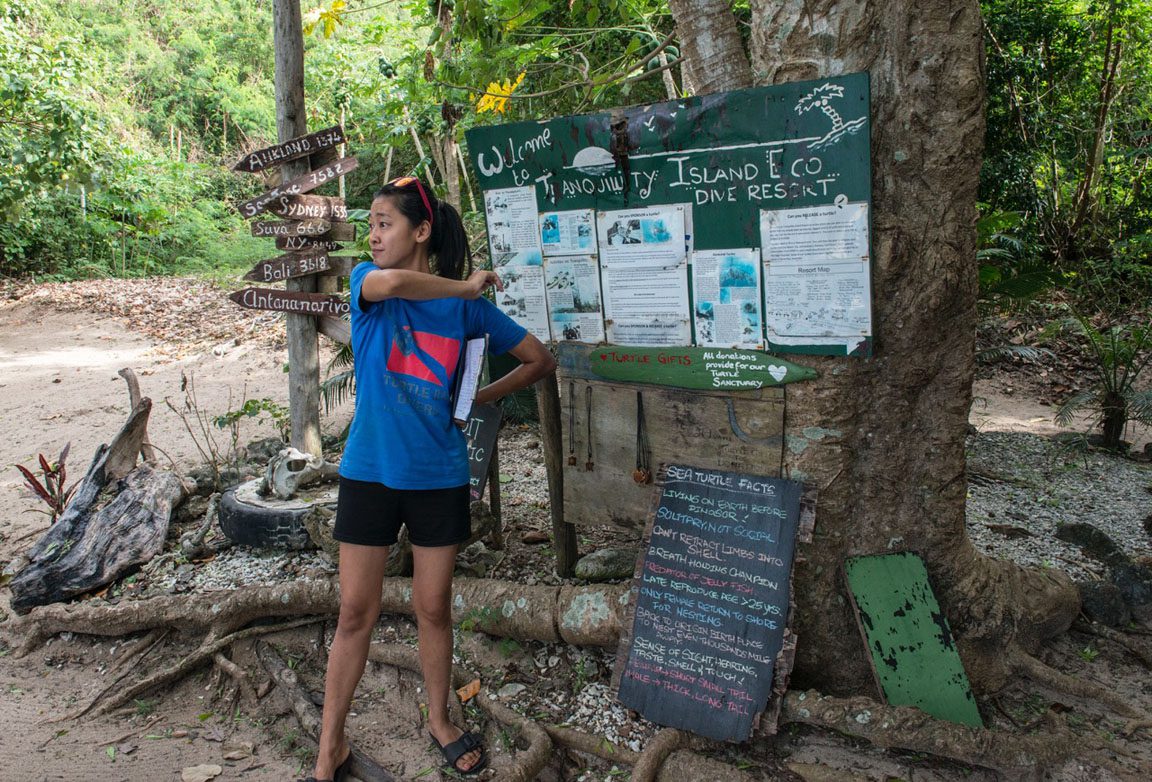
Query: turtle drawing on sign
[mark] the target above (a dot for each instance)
(821, 98)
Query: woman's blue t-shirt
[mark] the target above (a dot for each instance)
(406, 354)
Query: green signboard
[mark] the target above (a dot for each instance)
(702, 368)
(734, 220)
(912, 650)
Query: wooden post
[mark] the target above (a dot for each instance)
(291, 122)
(341, 153)
(494, 499)
(563, 533)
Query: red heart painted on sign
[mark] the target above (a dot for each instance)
(603, 356)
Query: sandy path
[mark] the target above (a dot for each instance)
(58, 384)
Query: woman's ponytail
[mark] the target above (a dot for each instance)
(449, 243)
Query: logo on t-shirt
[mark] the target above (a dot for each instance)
(423, 355)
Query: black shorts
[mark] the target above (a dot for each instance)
(370, 514)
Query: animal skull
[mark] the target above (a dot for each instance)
(291, 470)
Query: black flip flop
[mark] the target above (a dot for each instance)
(339, 775)
(467, 742)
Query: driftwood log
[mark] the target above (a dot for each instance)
(87, 547)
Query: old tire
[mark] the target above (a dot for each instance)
(252, 520)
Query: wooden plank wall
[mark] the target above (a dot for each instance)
(688, 427)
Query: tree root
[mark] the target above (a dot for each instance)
(1023, 663)
(597, 746)
(206, 651)
(652, 758)
(1103, 631)
(907, 728)
(528, 763)
(238, 675)
(587, 616)
(364, 767)
(680, 765)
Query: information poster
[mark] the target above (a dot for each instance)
(711, 601)
(816, 271)
(568, 233)
(574, 301)
(514, 241)
(647, 306)
(726, 292)
(642, 237)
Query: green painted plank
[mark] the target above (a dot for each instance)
(700, 368)
(912, 649)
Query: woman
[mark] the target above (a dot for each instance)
(405, 461)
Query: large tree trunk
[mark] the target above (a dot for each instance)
(889, 462)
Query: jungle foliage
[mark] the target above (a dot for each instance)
(119, 119)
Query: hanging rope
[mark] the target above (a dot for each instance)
(571, 423)
(588, 418)
(643, 472)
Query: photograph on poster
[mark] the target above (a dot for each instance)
(524, 298)
(574, 300)
(568, 233)
(642, 237)
(512, 226)
(726, 291)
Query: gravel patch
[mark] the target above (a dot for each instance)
(1022, 485)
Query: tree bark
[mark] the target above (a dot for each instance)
(292, 121)
(883, 438)
(710, 42)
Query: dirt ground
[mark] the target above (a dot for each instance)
(59, 385)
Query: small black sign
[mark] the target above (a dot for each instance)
(482, 430)
(711, 601)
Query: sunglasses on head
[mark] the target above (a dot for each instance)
(405, 181)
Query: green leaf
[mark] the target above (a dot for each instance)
(593, 16)
(111, 753)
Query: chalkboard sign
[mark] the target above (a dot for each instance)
(711, 601)
(482, 430)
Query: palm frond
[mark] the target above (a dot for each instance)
(1067, 411)
(1140, 406)
(1023, 352)
(336, 389)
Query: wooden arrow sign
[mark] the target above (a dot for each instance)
(288, 266)
(290, 228)
(702, 368)
(299, 185)
(290, 150)
(306, 243)
(290, 301)
(309, 207)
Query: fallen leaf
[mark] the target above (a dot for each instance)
(215, 733)
(469, 691)
(126, 749)
(201, 773)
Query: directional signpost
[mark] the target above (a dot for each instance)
(308, 207)
(313, 226)
(299, 185)
(288, 266)
(290, 301)
(291, 150)
(275, 228)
